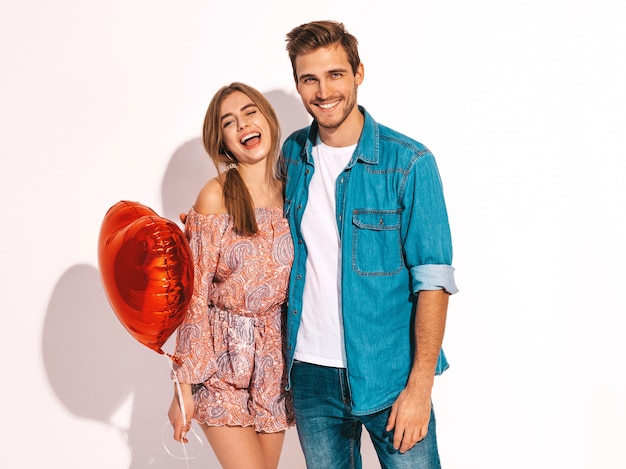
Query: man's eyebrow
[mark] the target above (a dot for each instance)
(306, 75)
(336, 70)
(328, 72)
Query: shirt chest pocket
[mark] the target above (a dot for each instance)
(376, 244)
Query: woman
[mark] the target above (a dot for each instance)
(229, 346)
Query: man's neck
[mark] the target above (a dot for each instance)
(348, 133)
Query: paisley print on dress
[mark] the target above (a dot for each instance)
(230, 343)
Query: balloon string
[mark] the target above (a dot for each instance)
(181, 403)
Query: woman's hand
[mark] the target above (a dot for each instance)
(175, 414)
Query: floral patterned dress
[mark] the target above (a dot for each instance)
(230, 344)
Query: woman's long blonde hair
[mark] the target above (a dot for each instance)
(237, 199)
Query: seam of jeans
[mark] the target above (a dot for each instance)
(345, 390)
(353, 446)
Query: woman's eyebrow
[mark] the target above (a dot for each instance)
(230, 114)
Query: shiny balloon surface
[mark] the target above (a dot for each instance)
(146, 269)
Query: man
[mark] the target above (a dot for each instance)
(372, 268)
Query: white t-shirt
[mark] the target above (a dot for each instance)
(320, 336)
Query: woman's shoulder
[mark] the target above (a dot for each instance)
(210, 200)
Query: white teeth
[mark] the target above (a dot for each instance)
(249, 136)
(328, 106)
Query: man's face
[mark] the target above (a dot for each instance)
(327, 86)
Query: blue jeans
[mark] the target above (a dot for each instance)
(330, 435)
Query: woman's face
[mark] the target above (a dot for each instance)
(245, 130)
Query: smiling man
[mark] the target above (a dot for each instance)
(372, 269)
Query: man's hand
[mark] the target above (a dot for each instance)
(410, 414)
(183, 217)
(409, 419)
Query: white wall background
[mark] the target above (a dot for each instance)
(523, 105)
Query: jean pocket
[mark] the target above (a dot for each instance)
(376, 245)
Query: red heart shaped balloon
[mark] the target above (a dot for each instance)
(146, 268)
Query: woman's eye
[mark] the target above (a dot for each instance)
(226, 124)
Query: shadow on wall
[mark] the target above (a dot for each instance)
(94, 365)
(290, 111)
(188, 170)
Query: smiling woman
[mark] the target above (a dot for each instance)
(229, 346)
(241, 128)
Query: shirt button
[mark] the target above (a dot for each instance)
(295, 311)
(298, 276)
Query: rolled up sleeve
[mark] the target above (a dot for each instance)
(434, 277)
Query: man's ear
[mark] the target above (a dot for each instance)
(360, 74)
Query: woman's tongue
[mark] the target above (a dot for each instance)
(252, 141)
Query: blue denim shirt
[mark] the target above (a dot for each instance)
(395, 241)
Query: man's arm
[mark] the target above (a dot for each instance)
(410, 414)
